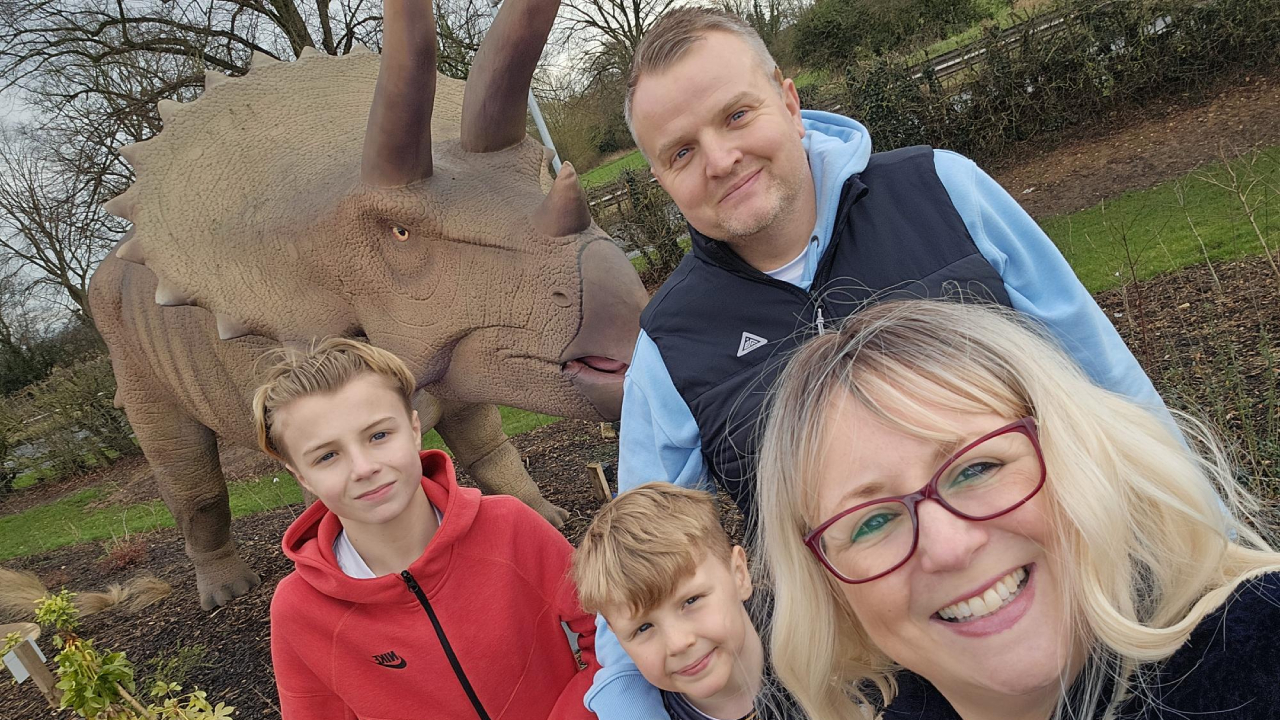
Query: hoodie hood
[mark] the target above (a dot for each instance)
(309, 541)
(838, 148)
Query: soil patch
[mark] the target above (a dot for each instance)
(1165, 143)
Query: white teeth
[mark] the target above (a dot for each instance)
(992, 599)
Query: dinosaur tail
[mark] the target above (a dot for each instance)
(21, 590)
(137, 593)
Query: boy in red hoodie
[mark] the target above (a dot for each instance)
(411, 597)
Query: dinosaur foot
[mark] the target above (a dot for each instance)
(554, 514)
(222, 579)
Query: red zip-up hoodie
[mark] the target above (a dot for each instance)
(495, 575)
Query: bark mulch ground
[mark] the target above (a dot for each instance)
(1164, 143)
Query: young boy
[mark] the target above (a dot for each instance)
(411, 597)
(660, 569)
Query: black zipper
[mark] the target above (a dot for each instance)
(444, 642)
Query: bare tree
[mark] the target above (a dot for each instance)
(51, 224)
(460, 25)
(609, 30)
(768, 17)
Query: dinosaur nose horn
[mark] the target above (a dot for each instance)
(397, 140)
(565, 210)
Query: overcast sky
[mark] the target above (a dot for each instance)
(11, 108)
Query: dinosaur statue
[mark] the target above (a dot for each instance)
(365, 196)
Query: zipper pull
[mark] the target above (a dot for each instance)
(410, 581)
(822, 327)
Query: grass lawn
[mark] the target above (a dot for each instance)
(608, 172)
(69, 520)
(1146, 233)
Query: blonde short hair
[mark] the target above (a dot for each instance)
(678, 30)
(1143, 546)
(643, 544)
(323, 368)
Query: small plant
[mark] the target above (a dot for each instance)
(99, 684)
(122, 552)
(58, 611)
(11, 641)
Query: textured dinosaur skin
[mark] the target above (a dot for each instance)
(264, 214)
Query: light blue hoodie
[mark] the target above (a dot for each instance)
(660, 438)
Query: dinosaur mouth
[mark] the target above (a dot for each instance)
(600, 380)
(600, 364)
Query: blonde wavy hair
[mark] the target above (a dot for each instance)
(325, 367)
(1144, 545)
(643, 544)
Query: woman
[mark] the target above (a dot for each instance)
(958, 524)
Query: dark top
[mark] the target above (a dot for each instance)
(1229, 669)
(725, 329)
(679, 708)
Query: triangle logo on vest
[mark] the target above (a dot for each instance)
(750, 342)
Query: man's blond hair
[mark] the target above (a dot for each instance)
(677, 31)
(324, 368)
(643, 544)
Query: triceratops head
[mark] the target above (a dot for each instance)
(306, 199)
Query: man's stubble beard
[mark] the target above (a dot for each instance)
(738, 228)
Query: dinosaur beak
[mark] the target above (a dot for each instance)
(595, 361)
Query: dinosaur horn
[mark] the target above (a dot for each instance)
(565, 210)
(397, 140)
(493, 104)
(130, 248)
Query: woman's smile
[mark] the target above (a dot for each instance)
(995, 610)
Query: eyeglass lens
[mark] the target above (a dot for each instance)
(987, 480)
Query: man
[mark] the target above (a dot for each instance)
(795, 224)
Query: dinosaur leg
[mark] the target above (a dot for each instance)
(183, 454)
(474, 433)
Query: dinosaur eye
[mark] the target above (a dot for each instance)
(401, 233)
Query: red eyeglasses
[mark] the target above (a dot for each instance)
(991, 476)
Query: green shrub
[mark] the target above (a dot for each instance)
(69, 419)
(99, 684)
(1108, 59)
(641, 217)
(832, 32)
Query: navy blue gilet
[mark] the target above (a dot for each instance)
(724, 328)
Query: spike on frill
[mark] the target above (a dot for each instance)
(261, 60)
(308, 51)
(133, 152)
(130, 249)
(213, 78)
(168, 110)
(170, 296)
(229, 328)
(124, 205)
(359, 49)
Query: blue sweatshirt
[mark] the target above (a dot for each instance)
(660, 439)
